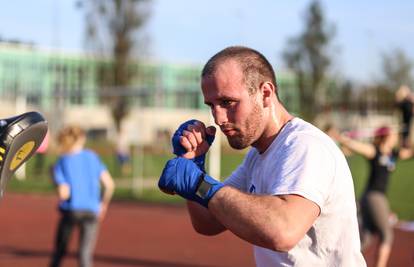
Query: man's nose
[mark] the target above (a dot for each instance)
(220, 116)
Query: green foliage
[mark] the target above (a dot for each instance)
(359, 169)
(400, 190)
(113, 28)
(31, 185)
(307, 55)
(397, 69)
(229, 163)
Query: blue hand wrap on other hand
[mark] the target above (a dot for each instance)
(182, 176)
(179, 150)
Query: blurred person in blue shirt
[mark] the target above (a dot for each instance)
(79, 174)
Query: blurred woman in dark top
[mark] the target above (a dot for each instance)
(382, 155)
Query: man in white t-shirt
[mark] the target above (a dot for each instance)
(292, 197)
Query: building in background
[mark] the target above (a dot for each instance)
(67, 87)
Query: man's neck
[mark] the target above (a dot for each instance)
(274, 126)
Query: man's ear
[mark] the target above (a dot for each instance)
(268, 90)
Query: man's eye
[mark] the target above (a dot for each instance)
(227, 102)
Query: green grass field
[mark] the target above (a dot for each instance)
(399, 192)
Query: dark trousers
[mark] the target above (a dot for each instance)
(88, 228)
(375, 215)
(406, 129)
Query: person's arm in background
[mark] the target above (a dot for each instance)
(334, 134)
(108, 190)
(63, 191)
(406, 153)
(400, 94)
(367, 150)
(412, 100)
(62, 187)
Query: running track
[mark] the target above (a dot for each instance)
(133, 234)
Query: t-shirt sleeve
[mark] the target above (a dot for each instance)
(100, 166)
(58, 174)
(239, 178)
(305, 168)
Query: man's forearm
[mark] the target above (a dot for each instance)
(243, 215)
(267, 221)
(202, 220)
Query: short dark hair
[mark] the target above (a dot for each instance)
(255, 67)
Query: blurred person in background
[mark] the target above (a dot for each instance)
(78, 174)
(332, 132)
(382, 155)
(123, 155)
(405, 103)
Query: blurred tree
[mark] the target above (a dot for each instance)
(376, 98)
(397, 69)
(307, 55)
(114, 29)
(344, 96)
(346, 93)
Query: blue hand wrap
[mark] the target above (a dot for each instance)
(183, 177)
(179, 150)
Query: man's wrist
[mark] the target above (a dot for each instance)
(203, 186)
(200, 162)
(206, 188)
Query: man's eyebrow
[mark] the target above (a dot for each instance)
(221, 99)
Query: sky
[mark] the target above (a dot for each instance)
(188, 31)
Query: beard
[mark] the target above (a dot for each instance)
(247, 133)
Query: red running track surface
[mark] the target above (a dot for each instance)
(135, 234)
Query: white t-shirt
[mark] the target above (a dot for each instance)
(302, 160)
